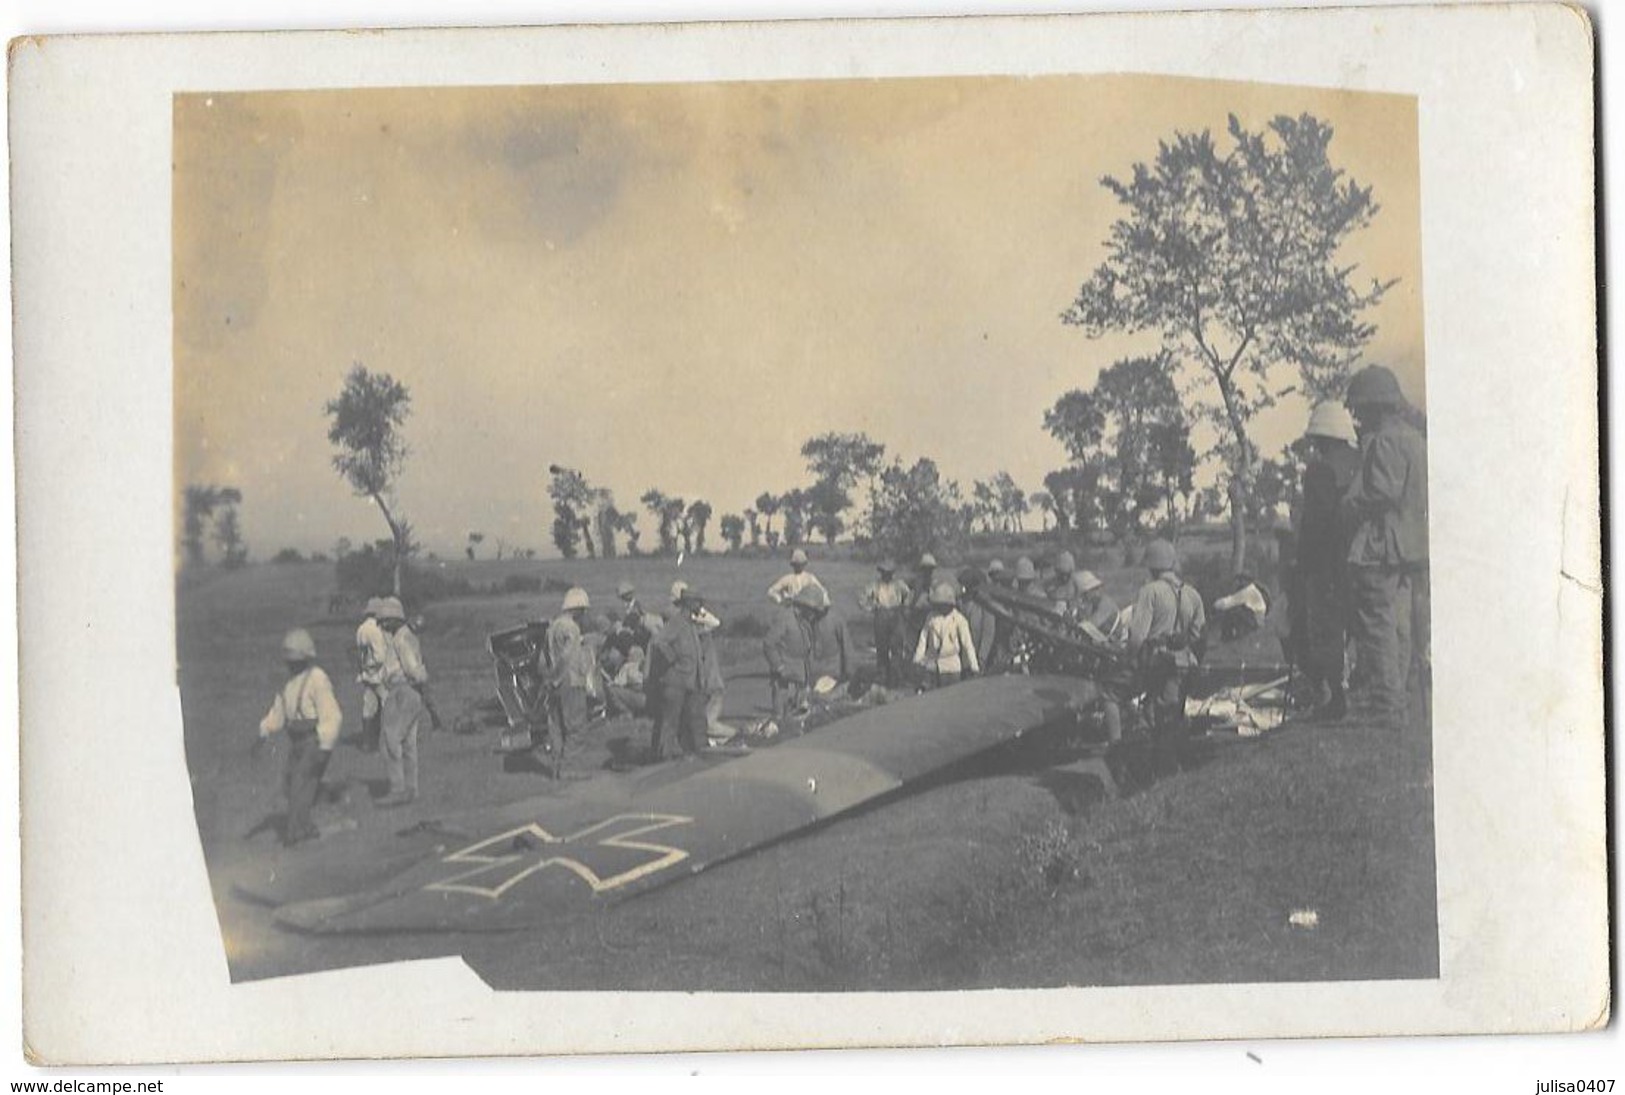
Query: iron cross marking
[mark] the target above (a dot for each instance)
(498, 863)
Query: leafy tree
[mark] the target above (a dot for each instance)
(1232, 258)
(607, 519)
(566, 531)
(1077, 503)
(1130, 428)
(288, 555)
(666, 511)
(793, 504)
(342, 547)
(825, 502)
(695, 520)
(733, 530)
(752, 518)
(767, 504)
(228, 534)
(199, 504)
(915, 510)
(1044, 503)
(839, 462)
(475, 539)
(367, 418)
(575, 504)
(627, 524)
(1011, 501)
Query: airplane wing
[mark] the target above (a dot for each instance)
(536, 860)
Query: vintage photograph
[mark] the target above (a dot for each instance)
(807, 535)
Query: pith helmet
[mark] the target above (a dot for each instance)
(1085, 581)
(576, 598)
(928, 561)
(995, 567)
(1064, 563)
(625, 589)
(812, 596)
(886, 566)
(1332, 420)
(1160, 555)
(1025, 571)
(298, 646)
(1373, 386)
(943, 593)
(798, 558)
(389, 608)
(373, 605)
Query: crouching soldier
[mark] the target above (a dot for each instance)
(306, 710)
(806, 643)
(1166, 637)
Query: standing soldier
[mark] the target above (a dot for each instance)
(887, 601)
(413, 632)
(946, 650)
(997, 574)
(1060, 587)
(307, 711)
(984, 626)
(1387, 506)
(1320, 580)
(678, 669)
(376, 661)
(783, 591)
(403, 707)
(572, 672)
(1166, 637)
(806, 643)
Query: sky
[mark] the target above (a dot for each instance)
(674, 285)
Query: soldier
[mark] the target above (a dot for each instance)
(887, 602)
(1320, 580)
(984, 627)
(572, 673)
(417, 624)
(1026, 577)
(403, 707)
(1060, 586)
(946, 650)
(376, 660)
(1166, 637)
(784, 590)
(306, 710)
(997, 574)
(1092, 608)
(806, 643)
(1387, 507)
(678, 669)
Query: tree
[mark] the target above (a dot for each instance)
(767, 504)
(475, 539)
(228, 534)
(733, 530)
(342, 547)
(826, 501)
(1131, 429)
(1077, 504)
(666, 511)
(755, 527)
(367, 419)
(574, 504)
(626, 524)
(915, 510)
(607, 519)
(1011, 501)
(695, 519)
(1232, 258)
(1044, 503)
(793, 504)
(841, 461)
(199, 504)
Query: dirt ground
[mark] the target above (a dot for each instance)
(1022, 870)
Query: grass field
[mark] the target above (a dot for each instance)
(1024, 873)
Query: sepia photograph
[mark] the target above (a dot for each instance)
(807, 535)
(830, 534)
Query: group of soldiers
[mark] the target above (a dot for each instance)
(1359, 568)
(395, 700)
